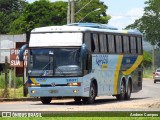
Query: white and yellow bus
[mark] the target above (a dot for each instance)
(83, 62)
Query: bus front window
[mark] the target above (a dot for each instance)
(55, 62)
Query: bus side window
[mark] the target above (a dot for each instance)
(103, 43)
(133, 44)
(111, 44)
(96, 42)
(139, 45)
(126, 44)
(87, 40)
(88, 61)
(118, 40)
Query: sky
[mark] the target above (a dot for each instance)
(122, 12)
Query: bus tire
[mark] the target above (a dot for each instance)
(128, 92)
(77, 99)
(92, 95)
(121, 96)
(46, 100)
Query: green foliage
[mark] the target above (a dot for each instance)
(147, 73)
(149, 22)
(147, 59)
(2, 81)
(90, 12)
(39, 14)
(19, 82)
(45, 13)
(9, 11)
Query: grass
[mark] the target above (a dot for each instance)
(13, 93)
(148, 73)
(83, 118)
(121, 115)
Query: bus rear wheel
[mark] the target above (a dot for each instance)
(92, 95)
(46, 100)
(128, 92)
(121, 96)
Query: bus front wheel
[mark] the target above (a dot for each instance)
(121, 96)
(92, 95)
(77, 99)
(46, 100)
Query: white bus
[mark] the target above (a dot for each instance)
(83, 63)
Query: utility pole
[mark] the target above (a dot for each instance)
(69, 12)
(72, 11)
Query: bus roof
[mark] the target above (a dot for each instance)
(94, 25)
(83, 28)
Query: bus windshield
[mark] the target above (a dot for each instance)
(55, 62)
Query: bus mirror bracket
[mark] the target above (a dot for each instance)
(22, 49)
(84, 51)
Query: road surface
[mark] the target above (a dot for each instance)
(148, 99)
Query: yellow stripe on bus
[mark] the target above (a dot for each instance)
(118, 66)
(33, 80)
(134, 66)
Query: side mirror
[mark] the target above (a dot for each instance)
(22, 49)
(84, 51)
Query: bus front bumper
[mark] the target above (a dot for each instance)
(58, 91)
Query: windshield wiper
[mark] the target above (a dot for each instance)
(57, 68)
(43, 69)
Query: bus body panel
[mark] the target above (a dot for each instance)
(108, 68)
(57, 87)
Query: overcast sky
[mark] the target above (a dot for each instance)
(123, 12)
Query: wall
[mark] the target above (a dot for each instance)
(7, 42)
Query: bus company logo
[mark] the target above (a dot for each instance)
(53, 84)
(128, 61)
(41, 79)
(101, 59)
(72, 80)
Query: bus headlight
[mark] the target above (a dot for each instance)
(32, 91)
(75, 91)
(74, 84)
(34, 85)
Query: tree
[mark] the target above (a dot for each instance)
(147, 59)
(39, 14)
(45, 13)
(9, 11)
(90, 8)
(149, 22)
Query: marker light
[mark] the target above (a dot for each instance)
(74, 84)
(34, 85)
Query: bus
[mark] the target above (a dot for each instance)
(83, 62)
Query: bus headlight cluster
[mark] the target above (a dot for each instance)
(74, 84)
(34, 85)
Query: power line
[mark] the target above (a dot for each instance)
(83, 7)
